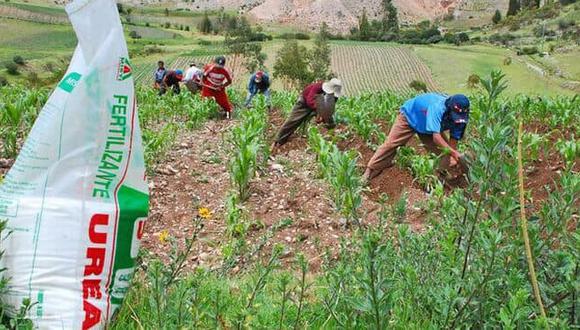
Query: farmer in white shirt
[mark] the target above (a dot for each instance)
(192, 78)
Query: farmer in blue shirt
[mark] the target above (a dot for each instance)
(428, 116)
(259, 83)
(159, 75)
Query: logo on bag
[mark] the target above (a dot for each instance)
(125, 69)
(69, 82)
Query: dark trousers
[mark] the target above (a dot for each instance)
(300, 114)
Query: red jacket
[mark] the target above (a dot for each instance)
(216, 76)
(310, 92)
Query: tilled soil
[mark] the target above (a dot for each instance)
(289, 188)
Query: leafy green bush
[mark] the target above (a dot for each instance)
(18, 60)
(12, 68)
(134, 35)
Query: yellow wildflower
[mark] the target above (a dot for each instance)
(163, 236)
(204, 212)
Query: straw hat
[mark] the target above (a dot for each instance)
(334, 86)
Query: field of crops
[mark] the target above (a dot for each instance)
(363, 68)
(370, 67)
(233, 229)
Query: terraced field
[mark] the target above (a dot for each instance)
(363, 67)
(368, 67)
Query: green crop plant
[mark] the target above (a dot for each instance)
(249, 149)
(570, 151)
(346, 182)
(533, 145)
(340, 170)
(424, 170)
(158, 143)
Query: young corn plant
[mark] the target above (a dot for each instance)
(250, 149)
(157, 144)
(424, 169)
(340, 170)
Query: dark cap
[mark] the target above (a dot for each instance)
(458, 105)
(220, 60)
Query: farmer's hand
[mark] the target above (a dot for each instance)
(455, 156)
(453, 162)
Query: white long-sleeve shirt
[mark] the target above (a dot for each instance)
(193, 73)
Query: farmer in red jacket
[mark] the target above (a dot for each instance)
(171, 80)
(214, 82)
(317, 99)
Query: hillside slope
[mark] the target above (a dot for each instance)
(340, 15)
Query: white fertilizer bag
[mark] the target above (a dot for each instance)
(76, 198)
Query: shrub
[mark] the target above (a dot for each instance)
(3, 81)
(12, 68)
(302, 36)
(153, 50)
(473, 80)
(563, 24)
(18, 60)
(507, 61)
(147, 24)
(419, 86)
(496, 17)
(528, 50)
(134, 35)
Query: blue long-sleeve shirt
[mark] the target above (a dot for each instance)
(262, 86)
(427, 114)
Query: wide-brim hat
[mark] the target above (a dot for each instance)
(334, 87)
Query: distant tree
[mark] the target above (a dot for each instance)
(461, 38)
(513, 8)
(120, 8)
(292, 64)
(390, 18)
(320, 58)
(166, 12)
(205, 25)
(364, 27)
(239, 42)
(496, 17)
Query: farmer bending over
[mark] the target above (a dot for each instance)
(192, 78)
(428, 116)
(214, 82)
(171, 80)
(159, 74)
(259, 83)
(317, 99)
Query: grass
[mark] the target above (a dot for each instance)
(39, 9)
(569, 63)
(452, 65)
(34, 40)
